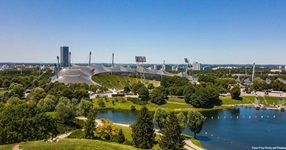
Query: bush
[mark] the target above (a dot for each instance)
(77, 134)
(132, 107)
(74, 124)
(101, 103)
(137, 101)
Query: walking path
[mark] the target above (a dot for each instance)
(16, 147)
(189, 145)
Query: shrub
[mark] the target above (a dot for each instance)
(132, 107)
(101, 103)
(137, 101)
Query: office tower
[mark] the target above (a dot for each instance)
(196, 66)
(64, 57)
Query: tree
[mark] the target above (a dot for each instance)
(181, 118)
(143, 133)
(37, 94)
(121, 137)
(90, 125)
(84, 107)
(107, 131)
(150, 86)
(188, 92)
(235, 92)
(24, 122)
(135, 87)
(16, 90)
(171, 138)
(4, 96)
(5, 83)
(195, 121)
(160, 117)
(47, 104)
(143, 93)
(127, 88)
(64, 113)
(158, 96)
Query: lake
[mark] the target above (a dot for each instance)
(233, 128)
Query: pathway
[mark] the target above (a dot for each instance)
(16, 147)
(189, 145)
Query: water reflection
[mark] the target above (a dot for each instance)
(234, 128)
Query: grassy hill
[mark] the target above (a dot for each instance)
(118, 82)
(74, 144)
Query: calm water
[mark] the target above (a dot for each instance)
(234, 128)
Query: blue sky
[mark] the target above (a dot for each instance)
(207, 31)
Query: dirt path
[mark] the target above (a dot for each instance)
(189, 144)
(16, 147)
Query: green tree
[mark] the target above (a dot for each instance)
(90, 125)
(135, 87)
(24, 122)
(143, 133)
(107, 131)
(235, 92)
(6, 83)
(84, 107)
(195, 121)
(160, 117)
(64, 113)
(181, 118)
(37, 94)
(188, 92)
(4, 96)
(171, 138)
(47, 104)
(127, 88)
(121, 137)
(150, 86)
(158, 96)
(143, 93)
(16, 90)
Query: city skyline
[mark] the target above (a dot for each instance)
(209, 32)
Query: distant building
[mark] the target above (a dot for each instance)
(206, 68)
(64, 56)
(174, 68)
(196, 66)
(155, 67)
(4, 67)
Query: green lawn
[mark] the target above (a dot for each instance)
(245, 100)
(75, 144)
(123, 104)
(273, 100)
(176, 100)
(118, 82)
(6, 147)
(196, 142)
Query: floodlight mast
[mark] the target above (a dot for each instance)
(141, 59)
(253, 71)
(89, 62)
(187, 62)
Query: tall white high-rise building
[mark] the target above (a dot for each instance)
(196, 66)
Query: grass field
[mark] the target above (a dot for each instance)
(273, 100)
(123, 104)
(7, 147)
(173, 104)
(75, 144)
(118, 82)
(245, 100)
